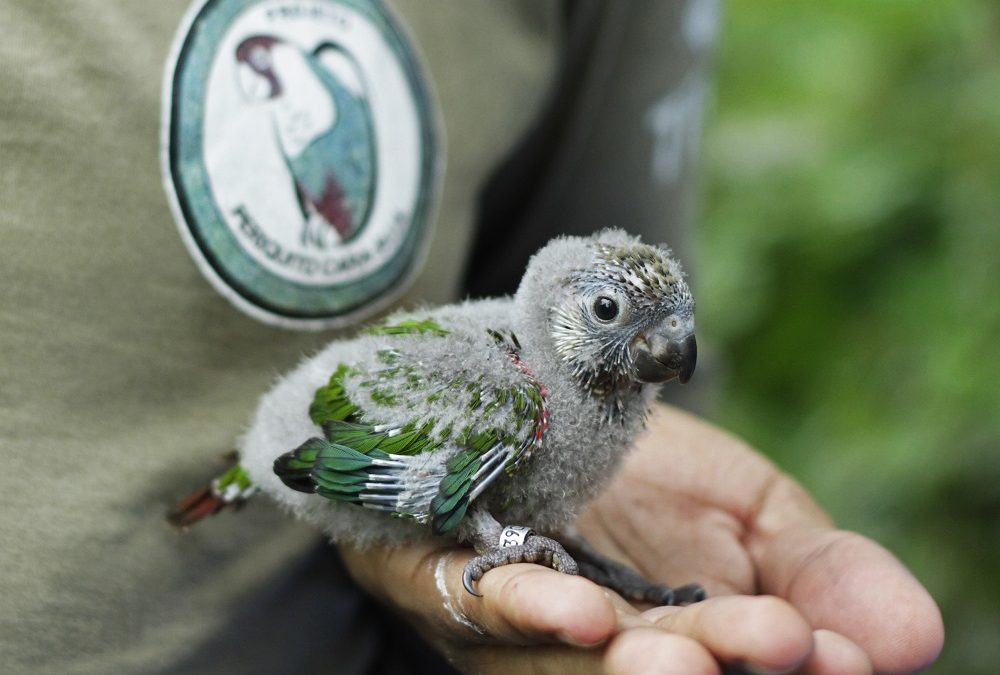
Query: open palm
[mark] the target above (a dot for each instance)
(787, 591)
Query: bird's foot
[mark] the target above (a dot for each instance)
(517, 544)
(632, 586)
(627, 582)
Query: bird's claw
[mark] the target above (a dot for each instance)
(689, 593)
(536, 549)
(628, 583)
(470, 577)
(663, 596)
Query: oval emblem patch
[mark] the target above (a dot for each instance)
(300, 155)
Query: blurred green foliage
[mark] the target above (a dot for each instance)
(849, 275)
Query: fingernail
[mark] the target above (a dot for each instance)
(570, 640)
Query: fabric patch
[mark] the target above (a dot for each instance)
(300, 155)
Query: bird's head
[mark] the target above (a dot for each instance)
(255, 56)
(617, 311)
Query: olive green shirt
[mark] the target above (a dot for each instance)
(126, 376)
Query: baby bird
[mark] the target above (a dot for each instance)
(453, 420)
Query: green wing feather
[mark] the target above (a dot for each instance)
(409, 327)
(366, 464)
(331, 402)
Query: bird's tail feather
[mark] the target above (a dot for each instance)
(197, 505)
(232, 489)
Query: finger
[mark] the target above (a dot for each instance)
(834, 654)
(648, 650)
(763, 633)
(535, 603)
(537, 659)
(638, 650)
(852, 586)
(521, 604)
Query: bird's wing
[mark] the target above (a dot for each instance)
(384, 458)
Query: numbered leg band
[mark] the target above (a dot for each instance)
(514, 535)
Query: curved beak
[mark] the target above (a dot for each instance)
(665, 352)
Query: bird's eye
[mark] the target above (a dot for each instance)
(605, 308)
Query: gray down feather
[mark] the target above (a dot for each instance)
(589, 429)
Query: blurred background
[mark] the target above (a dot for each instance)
(849, 275)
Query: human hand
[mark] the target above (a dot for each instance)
(787, 591)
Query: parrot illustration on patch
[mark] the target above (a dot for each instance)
(454, 420)
(319, 109)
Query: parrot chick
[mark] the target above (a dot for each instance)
(453, 420)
